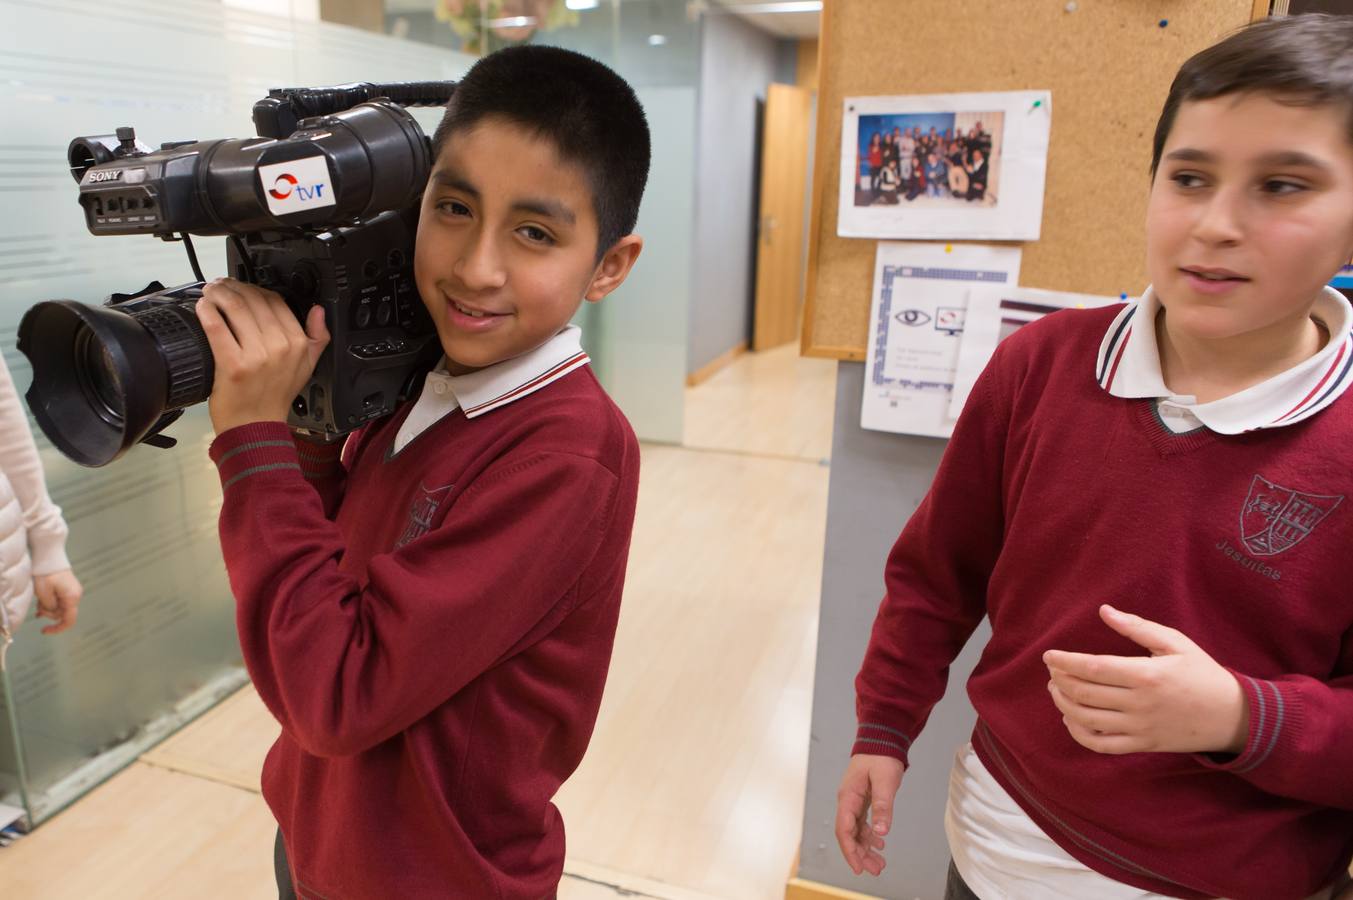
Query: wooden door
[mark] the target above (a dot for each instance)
(784, 176)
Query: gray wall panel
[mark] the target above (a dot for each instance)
(737, 62)
(877, 481)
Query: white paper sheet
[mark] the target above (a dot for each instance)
(1013, 126)
(917, 314)
(995, 313)
(9, 815)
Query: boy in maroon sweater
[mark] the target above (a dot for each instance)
(429, 611)
(1150, 503)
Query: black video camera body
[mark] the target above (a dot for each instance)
(322, 208)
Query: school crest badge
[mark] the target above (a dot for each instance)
(426, 502)
(1275, 518)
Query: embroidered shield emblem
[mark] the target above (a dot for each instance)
(421, 511)
(1275, 518)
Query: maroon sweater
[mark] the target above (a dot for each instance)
(1054, 497)
(433, 631)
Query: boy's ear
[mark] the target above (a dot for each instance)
(614, 267)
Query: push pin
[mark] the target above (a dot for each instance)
(1164, 22)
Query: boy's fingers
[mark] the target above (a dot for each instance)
(846, 824)
(277, 320)
(315, 328)
(1120, 671)
(1089, 693)
(1102, 721)
(874, 864)
(1111, 744)
(865, 838)
(317, 333)
(851, 802)
(235, 310)
(881, 816)
(279, 327)
(1157, 638)
(219, 336)
(883, 784)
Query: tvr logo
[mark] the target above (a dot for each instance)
(287, 184)
(301, 185)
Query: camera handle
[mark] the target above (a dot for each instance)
(276, 115)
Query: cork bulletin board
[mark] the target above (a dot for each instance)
(1108, 64)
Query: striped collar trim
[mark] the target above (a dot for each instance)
(1128, 366)
(498, 385)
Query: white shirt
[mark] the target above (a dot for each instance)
(997, 848)
(1003, 855)
(494, 386)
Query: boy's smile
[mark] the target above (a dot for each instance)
(506, 248)
(1251, 212)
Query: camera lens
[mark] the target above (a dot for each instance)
(105, 378)
(98, 378)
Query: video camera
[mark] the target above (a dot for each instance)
(321, 207)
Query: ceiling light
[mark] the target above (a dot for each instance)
(792, 6)
(512, 22)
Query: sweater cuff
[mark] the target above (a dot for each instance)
(881, 740)
(319, 460)
(1275, 717)
(251, 450)
(47, 547)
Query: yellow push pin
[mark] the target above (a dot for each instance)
(948, 248)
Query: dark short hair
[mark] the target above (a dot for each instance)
(587, 111)
(1305, 59)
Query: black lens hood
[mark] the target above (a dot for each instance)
(48, 336)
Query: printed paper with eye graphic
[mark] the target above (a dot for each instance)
(916, 322)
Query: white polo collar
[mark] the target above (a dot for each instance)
(497, 385)
(494, 386)
(1128, 366)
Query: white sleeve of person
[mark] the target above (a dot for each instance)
(32, 531)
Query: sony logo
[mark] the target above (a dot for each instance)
(96, 177)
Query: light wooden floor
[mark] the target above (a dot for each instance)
(693, 786)
(773, 403)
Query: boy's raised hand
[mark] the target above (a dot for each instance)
(864, 810)
(263, 357)
(1177, 700)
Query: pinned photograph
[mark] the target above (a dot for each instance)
(948, 166)
(931, 160)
